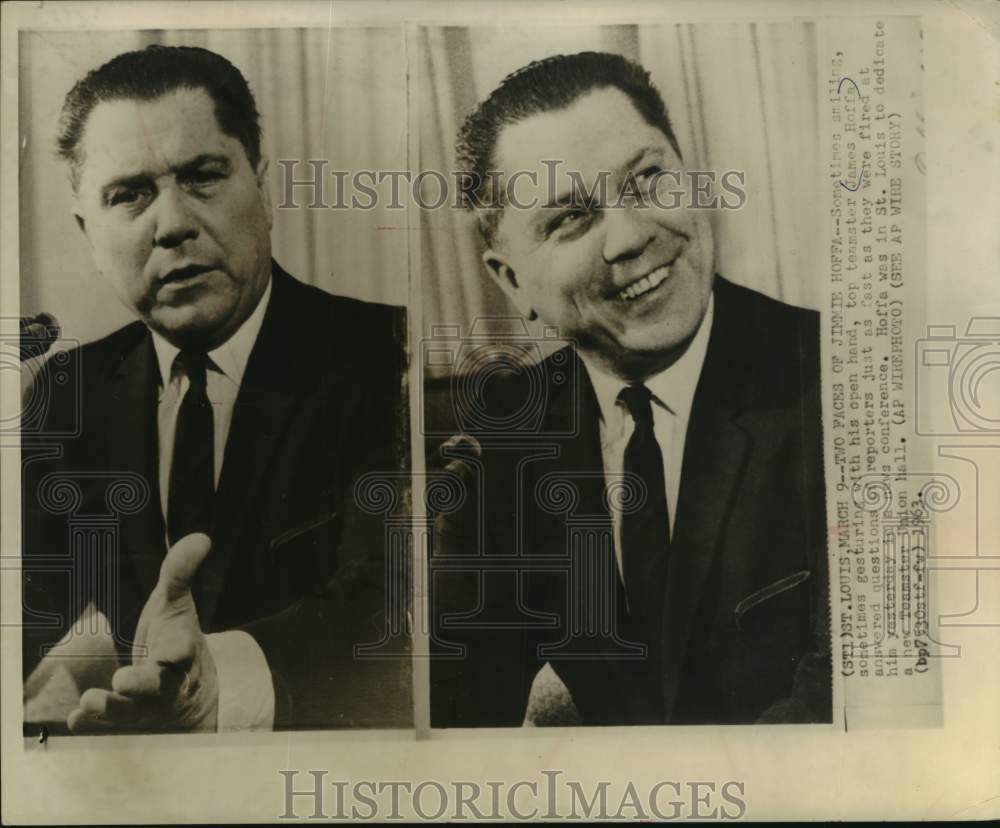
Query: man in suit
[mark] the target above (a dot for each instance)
(656, 535)
(224, 431)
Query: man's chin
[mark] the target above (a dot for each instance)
(188, 327)
(653, 351)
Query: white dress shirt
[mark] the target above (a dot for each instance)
(673, 395)
(246, 693)
(223, 376)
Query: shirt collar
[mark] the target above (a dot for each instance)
(231, 357)
(672, 388)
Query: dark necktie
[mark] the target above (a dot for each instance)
(645, 533)
(192, 477)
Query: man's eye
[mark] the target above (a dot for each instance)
(202, 178)
(650, 172)
(566, 220)
(127, 196)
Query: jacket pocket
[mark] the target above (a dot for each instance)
(297, 532)
(758, 597)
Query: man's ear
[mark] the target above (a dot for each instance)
(264, 190)
(503, 274)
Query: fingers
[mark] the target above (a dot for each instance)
(105, 704)
(82, 724)
(181, 564)
(150, 682)
(100, 711)
(170, 610)
(89, 719)
(141, 698)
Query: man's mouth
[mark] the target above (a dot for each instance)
(184, 274)
(649, 282)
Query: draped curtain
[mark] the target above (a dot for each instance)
(741, 96)
(333, 93)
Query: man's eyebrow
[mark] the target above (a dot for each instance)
(572, 198)
(635, 159)
(200, 161)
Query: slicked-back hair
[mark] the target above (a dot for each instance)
(149, 73)
(547, 85)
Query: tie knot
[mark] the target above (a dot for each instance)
(194, 365)
(638, 401)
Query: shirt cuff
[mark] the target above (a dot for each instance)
(246, 693)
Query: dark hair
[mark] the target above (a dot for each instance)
(545, 86)
(154, 71)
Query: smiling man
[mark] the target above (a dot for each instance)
(222, 433)
(701, 595)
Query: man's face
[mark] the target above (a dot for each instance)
(176, 218)
(629, 283)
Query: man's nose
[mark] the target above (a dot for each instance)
(627, 233)
(175, 223)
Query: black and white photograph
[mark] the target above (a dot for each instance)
(225, 369)
(498, 411)
(644, 533)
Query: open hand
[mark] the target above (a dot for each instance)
(171, 683)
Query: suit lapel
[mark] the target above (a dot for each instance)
(717, 451)
(132, 445)
(718, 448)
(261, 413)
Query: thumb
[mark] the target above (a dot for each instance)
(181, 563)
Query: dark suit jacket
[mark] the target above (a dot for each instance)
(293, 562)
(744, 633)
